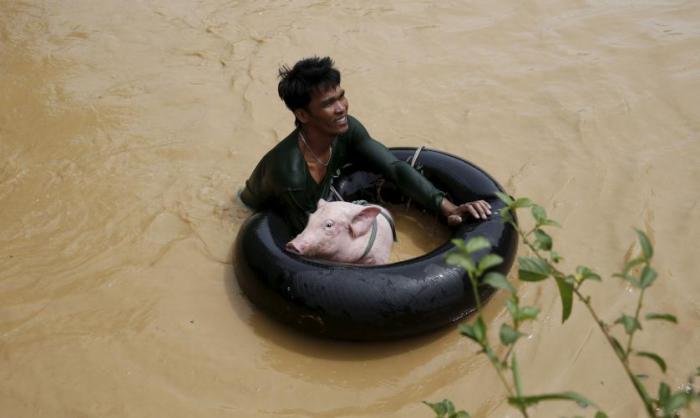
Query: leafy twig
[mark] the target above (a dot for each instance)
(538, 267)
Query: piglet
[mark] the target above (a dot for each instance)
(341, 232)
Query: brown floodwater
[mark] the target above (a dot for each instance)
(126, 127)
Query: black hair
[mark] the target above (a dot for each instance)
(307, 76)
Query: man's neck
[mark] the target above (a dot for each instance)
(317, 141)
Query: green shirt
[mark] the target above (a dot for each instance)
(282, 182)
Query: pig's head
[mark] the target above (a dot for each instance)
(334, 231)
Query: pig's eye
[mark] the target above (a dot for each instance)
(329, 224)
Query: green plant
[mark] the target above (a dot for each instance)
(543, 264)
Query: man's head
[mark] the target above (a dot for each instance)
(311, 90)
(297, 84)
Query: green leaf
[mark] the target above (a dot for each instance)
(566, 292)
(476, 332)
(634, 282)
(618, 347)
(522, 202)
(657, 358)
(630, 323)
(480, 328)
(440, 408)
(499, 281)
(505, 215)
(446, 409)
(555, 256)
(647, 278)
(509, 335)
(512, 305)
(533, 269)
(527, 313)
(570, 279)
(468, 331)
(539, 214)
(459, 243)
(505, 198)
(677, 401)
(461, 260)
(518, 313)
(488, 261)
(562, 396)
(647, 248)
(584, 273)
(662, 317)
(551, 222)
(628, 277)
(543, 240)
(632, 264)
(601, 414)
(476, 244)
(516, 376)
(664, 393)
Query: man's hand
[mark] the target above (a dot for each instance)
(479, 209)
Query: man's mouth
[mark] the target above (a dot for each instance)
(342, 120)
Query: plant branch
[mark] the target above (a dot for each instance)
(486, 348)
(648, 403)
(636, 318)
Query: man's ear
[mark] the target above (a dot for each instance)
(302, 115)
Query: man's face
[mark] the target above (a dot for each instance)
(327, 111)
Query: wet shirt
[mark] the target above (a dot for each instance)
(281, 181)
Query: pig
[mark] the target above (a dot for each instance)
(341, 231)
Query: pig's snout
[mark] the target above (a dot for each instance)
(296, 247)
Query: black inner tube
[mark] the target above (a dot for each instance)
(373, 302)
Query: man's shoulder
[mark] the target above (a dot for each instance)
(282, 150)
(282, 162)
(354, 123)
(355, 129)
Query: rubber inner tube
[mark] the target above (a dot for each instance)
(390, 301)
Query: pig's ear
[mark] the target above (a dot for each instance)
(320, 203)
(362, 221)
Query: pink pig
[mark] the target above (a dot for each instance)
(342, 232)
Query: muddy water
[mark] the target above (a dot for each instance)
(127, 127)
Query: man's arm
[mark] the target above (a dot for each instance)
(480, 209)
(407, 179)
(412, 183)
(254, 194)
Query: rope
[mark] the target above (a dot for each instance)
(370, 243)
(413, 165)
(335, 192)
(416, 154)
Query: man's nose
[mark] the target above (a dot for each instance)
(339, 107)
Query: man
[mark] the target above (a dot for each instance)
(297, 172)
